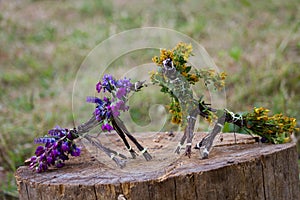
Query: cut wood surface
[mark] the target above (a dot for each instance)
(235, 169)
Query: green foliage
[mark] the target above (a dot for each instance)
(235, 53)
(46, 33)
(8, 190)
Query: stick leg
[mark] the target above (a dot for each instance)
(143, 150)
(112, 154)
(86, 127)
(205, 145)
(123, 137)
(190, 132)
(180, 144)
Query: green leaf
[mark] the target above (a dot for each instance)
(188, 69)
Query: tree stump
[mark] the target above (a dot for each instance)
(242, 170)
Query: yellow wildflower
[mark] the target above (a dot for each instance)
(155, 59)
(176, 119)
(264, 117)
(223, 75)
(185, 50)
(286, 139)
(194, 78)
(184, 74)
(211, 72)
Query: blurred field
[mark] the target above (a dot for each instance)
(43, 43)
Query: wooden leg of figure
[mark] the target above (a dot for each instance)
(143, 150)
(112, 154)
(89, 125)
(205, 145)
(180, 144)
(123, 137)
(190, 132)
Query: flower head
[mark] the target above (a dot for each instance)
(59, 143)
(121, 93)
(106, 127)
(111, 106)
(108, 83)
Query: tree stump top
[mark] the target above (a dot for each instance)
(251, 163)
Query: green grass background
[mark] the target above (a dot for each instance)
(42, 44)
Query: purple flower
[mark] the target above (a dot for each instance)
(63, 156)
(94, 100)
(103, 108)
(56, 149)
(108, 78)
(57, 132)
(108, 83)
(124, 83)
(115, 111)
(71, 135)
(105, 99)
(107, 127)
(33, 158)
(59, 163)
(76, 151)
(39, 150)
(98, 87)
(42, 167)
(44, 140)
(121, 93)
(65, 146)
(122, 106)
(50, 159)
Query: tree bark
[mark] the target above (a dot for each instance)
(246, 170)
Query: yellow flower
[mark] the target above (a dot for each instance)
(286, 139)
(184, 49)
(264, 117)
(184, 74)
(223, 75)
(155, 59)
(261, 110)
(176, 120)
(194, 78)
(211, 72)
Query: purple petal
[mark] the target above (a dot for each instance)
(54, 152)
(99, 87)
(107, 127)
(33, 158)
(39, 150)
(42, 167)
(44, 140)
(121, 93)
(76, 152)
(65, 146)
(59, 164)
(50, 160)
(94, 100)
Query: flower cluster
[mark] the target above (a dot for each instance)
(175, 110)
(111, 106)
(210, 76)
(179, 56)
(58, 144)
(276, 129)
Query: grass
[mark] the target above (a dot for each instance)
(44, 43)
